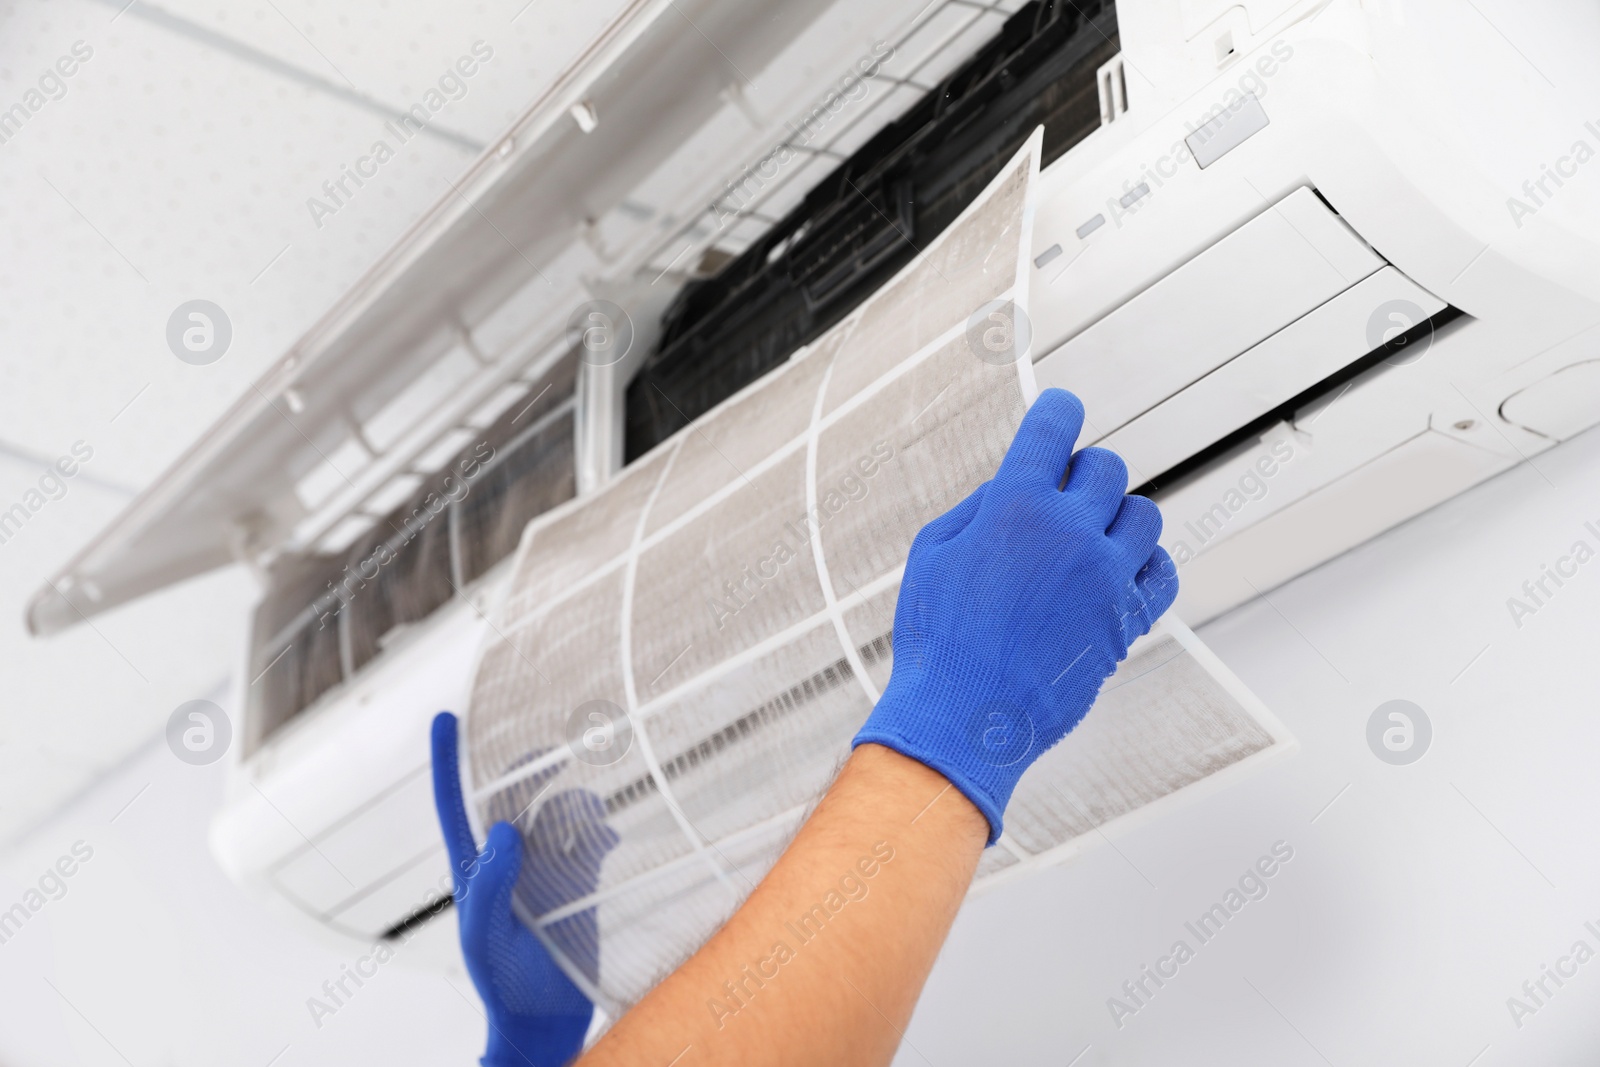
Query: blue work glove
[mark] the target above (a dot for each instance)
(537, 1016)
(1016, 606)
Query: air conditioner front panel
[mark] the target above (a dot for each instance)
(1292, 257)
(1232, 566)
(419, 886)
(1293, 360)
(347, 862)
(1560, 406)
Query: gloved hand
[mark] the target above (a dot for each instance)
(536, 1014)
(1015, 607)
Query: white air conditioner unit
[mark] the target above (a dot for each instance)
(1320, 269)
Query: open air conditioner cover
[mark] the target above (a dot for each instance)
(722, 615)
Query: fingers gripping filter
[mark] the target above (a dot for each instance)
(683, 658)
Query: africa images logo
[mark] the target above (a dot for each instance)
(198, 732)
(1399, 732)
(199, 332)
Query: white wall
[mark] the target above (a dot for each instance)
(170, 964)
(1417, 903)
(1413, 907)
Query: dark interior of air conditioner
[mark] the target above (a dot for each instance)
(852, 232)
(868, 218)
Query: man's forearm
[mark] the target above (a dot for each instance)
(825, 961)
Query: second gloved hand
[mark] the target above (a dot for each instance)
(1016, 605)
(537, 1016)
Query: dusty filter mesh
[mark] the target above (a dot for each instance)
(682, 659)
(327, 615)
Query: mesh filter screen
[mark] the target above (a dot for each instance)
(733, 439)
(730, 598)
(907, 454)
(971, 263)
(1160, 723)
(328, 614)
(530, 480)
(727, 579)
(773, 730)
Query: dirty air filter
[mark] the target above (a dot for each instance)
(682, 659)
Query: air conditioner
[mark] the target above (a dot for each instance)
(1304, 261)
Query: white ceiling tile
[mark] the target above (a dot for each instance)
(171, 172)
(396, 52)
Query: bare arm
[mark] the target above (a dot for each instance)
(825, 961)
